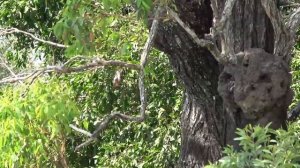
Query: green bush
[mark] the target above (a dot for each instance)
(259, 150)
(34, 124)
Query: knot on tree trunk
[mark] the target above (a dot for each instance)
(255, 86)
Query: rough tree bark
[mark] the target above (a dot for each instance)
(202, 119)
(252, 87)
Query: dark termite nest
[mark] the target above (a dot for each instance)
(257, 88)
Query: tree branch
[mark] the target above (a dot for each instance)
(15, 30)
(225, 18)
(282, 36)
(9, 69)
(222, 27)
(104, 124)
(209, 44)
(84, 132)
(94, 63)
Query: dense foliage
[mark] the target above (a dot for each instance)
(34, 124)
(154, 142)
(37, 17)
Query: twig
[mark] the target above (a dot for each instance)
(210, 45)
(104, 124)
(15, 30)
(35, 75)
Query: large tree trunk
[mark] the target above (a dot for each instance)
(202, 119)
(207, 122)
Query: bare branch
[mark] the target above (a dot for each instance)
(19, 77)
(96, 63)
(9, 69)
(104, 124)
(86, 143)
(84, 132)
(209, 44)
(15, 30)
